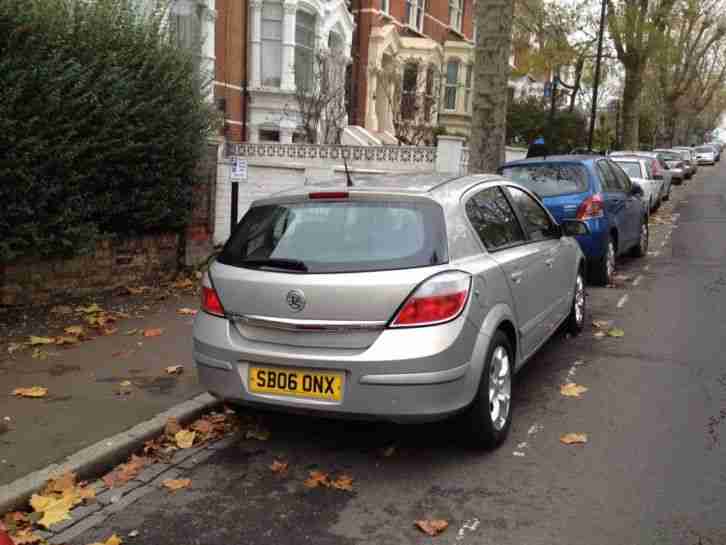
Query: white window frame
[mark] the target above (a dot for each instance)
(448, 86)
(415, 11)
(386, 6)
(468, 85)
(309, 47)
(264, 40)
(456, 12)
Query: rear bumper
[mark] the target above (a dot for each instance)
(594, 245)
(412, 375)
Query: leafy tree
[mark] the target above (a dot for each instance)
(102, 122)
(636, 28)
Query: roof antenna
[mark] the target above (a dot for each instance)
(349, 181)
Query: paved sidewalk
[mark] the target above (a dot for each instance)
(86, 401)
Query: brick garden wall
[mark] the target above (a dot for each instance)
(113, 264)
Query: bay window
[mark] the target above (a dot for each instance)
(271, 61)
(452, 82)
(304, 49)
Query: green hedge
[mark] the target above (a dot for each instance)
(102, 121)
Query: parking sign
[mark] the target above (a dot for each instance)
(238, 170)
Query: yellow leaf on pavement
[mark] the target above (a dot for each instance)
(90, 309)
(39, 354)
(615, 332)
(61, 484)
(187, 311)
(113, 540)
(34, 391)
(432, 527)
(174, 370)
(177, 484)
(25, 537)
(184, 438)
(75, 330)
(573, 438)
(153, 332)
(572, 390)
(184, 283)
(57, 511)
(343, 482)
(66, 339)
(34, 341)
(14, 347)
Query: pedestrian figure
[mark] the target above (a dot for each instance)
(538, 148)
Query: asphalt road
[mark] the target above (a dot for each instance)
(652, 472)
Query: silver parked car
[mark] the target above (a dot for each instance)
(639, 169)
(676, 164)
(406, 298)
(705, 155)
(660, 171)
(690, 154)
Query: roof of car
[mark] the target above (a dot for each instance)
(408, 183)
(554, 159)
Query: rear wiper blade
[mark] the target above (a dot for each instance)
(291, 264)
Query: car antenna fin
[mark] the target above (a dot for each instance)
(349, 180)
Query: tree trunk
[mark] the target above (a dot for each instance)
(491, 74)
(631, 105)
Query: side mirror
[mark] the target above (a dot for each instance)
(574, 228)
(636, 190)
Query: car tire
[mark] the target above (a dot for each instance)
(578, 309)
(486, 427)
(603, 268)
(641, 248)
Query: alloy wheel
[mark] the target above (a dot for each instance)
(500, 387)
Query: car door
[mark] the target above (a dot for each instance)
(557, 274)
(615, 203)
(501, 233)
(633, 206)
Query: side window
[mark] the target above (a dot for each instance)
(649, 171)
(493, 219)
(609, 183)
(623, 180)
(537, 222)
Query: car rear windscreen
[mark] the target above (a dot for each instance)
(339, 236)
(549, 179)
(631, 168)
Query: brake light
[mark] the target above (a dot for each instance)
(592, 207)
(329, 195)
(210, 300)
(439, 299)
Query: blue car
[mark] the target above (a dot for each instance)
(595, 190)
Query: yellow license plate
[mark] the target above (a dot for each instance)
(296, 382)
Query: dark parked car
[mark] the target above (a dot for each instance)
(595, 190)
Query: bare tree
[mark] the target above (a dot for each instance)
(412, 90)
(691, 45)
(491, 74)
(320, 97)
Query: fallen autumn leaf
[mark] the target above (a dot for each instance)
(573, 438)
(174, 370)
(125, 472)
(343, 482)
(616, 332)
(90, 309)
(33, 391)
(572, 390)
(14, 347)
(602, 324)
(432, 527)
(184, 438)
(187, 311)
(317, 478)
(177, 484)
(153, 332)
(257, 433)
(279, 467)
(25, 537)
(113, 540)
(35, 341)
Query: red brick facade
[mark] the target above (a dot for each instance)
(369, 14)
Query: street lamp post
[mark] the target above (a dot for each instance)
(596, 85)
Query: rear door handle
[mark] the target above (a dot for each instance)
(517, 277)
(550, 262)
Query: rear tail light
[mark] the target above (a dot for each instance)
(656, 168)
(210, 300)
(592, 207)
(439, 299)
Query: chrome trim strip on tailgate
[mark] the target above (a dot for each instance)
(307, 326)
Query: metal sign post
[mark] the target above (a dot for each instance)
(237, 174)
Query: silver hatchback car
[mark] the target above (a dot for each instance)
(408, 298)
